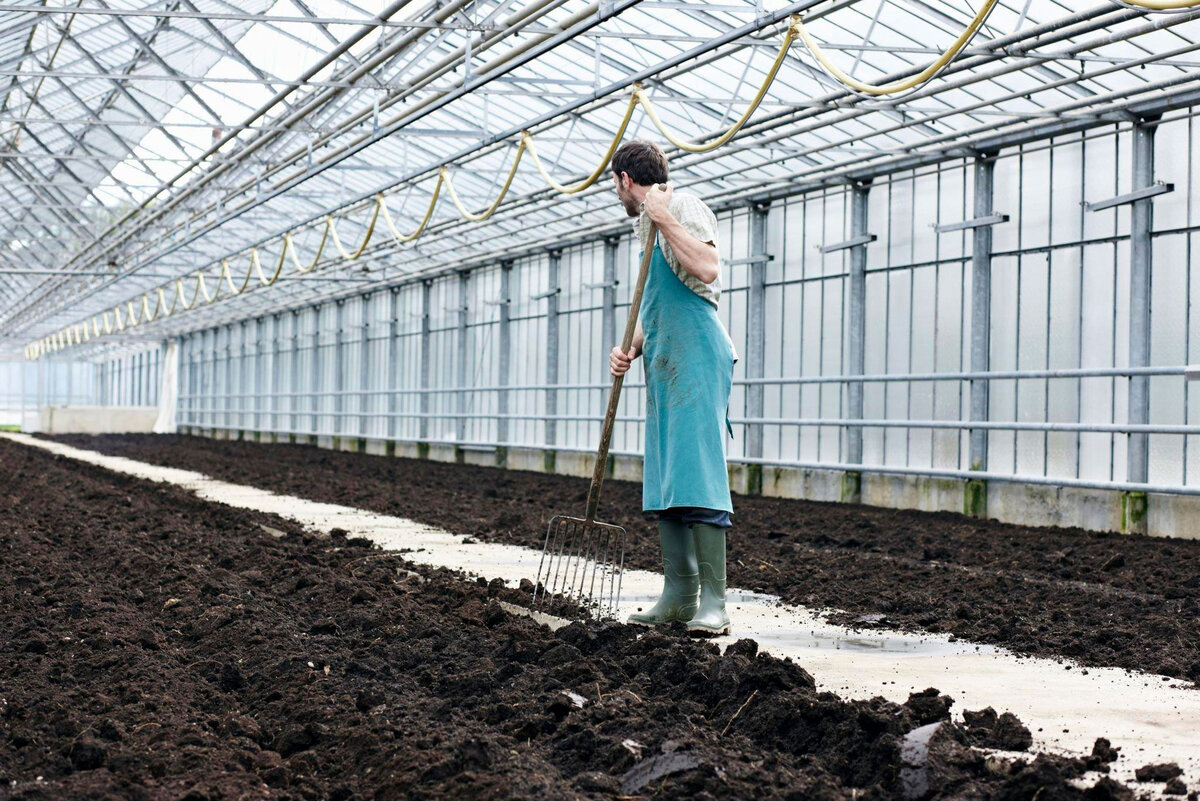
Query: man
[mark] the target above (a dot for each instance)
(688, 362)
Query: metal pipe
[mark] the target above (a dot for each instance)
(1140, 268)
(816, 422)
(505, 355)
(552, 344)
(339, 363)
(608, 306)
(756, 326)
(856, 317)
(365, 369)
(393, 367)
(462, 345)
(981, 306)
(999, 375)
(315, 378)
(968, 475)
(426, 300)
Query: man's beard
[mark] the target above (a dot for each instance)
(632, 207)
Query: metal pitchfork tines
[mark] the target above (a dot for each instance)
(582, 559)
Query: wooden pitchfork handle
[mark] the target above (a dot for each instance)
(614, 397)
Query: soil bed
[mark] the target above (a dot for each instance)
(155, 645)
(1099, 599)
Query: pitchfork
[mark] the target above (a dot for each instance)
(582, 559)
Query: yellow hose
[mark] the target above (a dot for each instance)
(291, 251)
(387, 218)
(331, 227)
(906, 83)
(225, 273)
(262, 279)
(527, 141)
(204, 288)
(490, 210)
(639, 95)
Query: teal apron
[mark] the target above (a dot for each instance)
(688, 362)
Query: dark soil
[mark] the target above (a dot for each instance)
(154, 645)
(1099, 599)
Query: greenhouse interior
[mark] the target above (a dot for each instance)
(618, 399)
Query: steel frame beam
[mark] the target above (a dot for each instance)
(981, 306)
(1140, 269)
(756, 329)
(856, 325)
(994, 50)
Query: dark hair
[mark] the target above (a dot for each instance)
(643, 161)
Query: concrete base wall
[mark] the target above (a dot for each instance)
(1007, 502)
(912, 492)
(97, 419)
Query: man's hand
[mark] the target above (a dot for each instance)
(618, 362)
(658, 203)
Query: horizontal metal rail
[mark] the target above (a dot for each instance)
(1002, 375)
(972, 475)
(929, 472)
(964, 425)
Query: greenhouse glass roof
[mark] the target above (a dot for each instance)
(144, 142)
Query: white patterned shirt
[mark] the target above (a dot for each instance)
(699, 221)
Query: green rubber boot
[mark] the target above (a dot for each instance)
(711, 618)
(681, 579)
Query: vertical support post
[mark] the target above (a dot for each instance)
(203, 384)
(460, 407)
(211, 400)
(1141, 263)
(339, 372)
(756, 343)
(552, 350)
(856, 333)
(315, 378)
(426, 312)
(260, 377)
(182, 418)
(365, 371)
(975, 492)
(23, 367)
(294, 380)
(228, 379)
(276, 377)
(608, 313)
(505, 364)
(608, 319)
(392, 368)
(243, 386)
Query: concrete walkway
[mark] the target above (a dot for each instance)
(1152, 719)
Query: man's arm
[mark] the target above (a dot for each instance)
(699, 258)
(618, 362)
